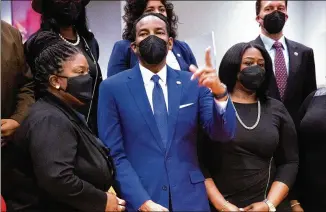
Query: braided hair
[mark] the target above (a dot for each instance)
(50, 52)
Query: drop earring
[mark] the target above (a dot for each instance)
(57, 87)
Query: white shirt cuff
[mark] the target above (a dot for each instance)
(222, 104)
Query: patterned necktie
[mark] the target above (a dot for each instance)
(280, 69)
(160, 110)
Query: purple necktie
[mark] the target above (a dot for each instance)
(280, 69)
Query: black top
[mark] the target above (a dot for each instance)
(61, 166)
(244, 169)
(311, 182)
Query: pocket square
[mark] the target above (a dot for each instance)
(186, 105)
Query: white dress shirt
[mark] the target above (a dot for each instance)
(172, 61)
(268, 43)
(149, 86)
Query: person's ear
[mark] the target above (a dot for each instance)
(170, 43)
(54, 82)
(134, 48)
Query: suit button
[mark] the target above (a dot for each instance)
(164, 188)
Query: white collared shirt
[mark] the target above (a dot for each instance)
(172, 61)
(149, 86)
(268, 43)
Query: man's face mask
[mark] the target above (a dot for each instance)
(153, 49)
(66, 12)
(274, 22)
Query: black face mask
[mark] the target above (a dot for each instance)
(252, 77)
(153, 49)
(66, 12)
(274, 22)
(80, 87)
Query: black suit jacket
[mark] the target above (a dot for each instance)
(58, 164)
(301, 80)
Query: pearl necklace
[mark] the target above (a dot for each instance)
(257, 121)
(74, 44)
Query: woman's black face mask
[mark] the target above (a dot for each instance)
(252, 77)
(66, 12)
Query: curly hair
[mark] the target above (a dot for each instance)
(50, 52)
(135, 8)
(231, 63)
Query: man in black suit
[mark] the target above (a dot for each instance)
(293, 63)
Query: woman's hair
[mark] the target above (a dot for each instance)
(49, 53)
(158, 15)
(231, 63)
(48, 22)
(135, 8)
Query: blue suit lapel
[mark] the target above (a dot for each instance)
(174, 84)
(137, 89)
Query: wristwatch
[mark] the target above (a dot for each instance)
(270, 205)
(220, 96)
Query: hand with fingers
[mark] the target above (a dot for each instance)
(114, 203)
(258, 206)
(152, 206)
(207, 76)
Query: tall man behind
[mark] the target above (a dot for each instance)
(294, 65)
(149, 117)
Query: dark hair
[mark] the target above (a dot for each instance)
(231, 63)
(160, 16)
(258, 5)
(50, 52)
(135, 8)
(48, 22)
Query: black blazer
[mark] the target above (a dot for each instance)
(301, 80)
(61, 165)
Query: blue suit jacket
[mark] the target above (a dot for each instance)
(145, 169)
(123, 58)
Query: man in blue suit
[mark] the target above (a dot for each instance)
(149, 117)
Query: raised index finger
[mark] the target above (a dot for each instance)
(208, 59)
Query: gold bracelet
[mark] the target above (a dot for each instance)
(298, 203)
(224, 205)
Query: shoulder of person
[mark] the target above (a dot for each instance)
(298, 45)
(122, 44)
(275, 104)
(10, 31)
(181, 44)
(117, 80)
(320, 92)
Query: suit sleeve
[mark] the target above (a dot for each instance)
(25, 94)
(286, 155)
(53, 149)
(127, 180)
(310, 78)
(191, 55)
(218, 123)
(119, 59)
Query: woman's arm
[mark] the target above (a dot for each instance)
(216, 198)
(53, 151)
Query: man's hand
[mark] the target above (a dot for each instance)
(207, 76)
(152, 206)
(8, 127)
(113, 203)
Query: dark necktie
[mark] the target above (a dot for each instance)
(280, 69)
(160, 111)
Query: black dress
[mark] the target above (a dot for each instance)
(57, 162)
(311, 183)
(244, 169)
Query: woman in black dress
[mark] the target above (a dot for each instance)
(310, 188)
(61, 165)
(68, 20)
(255, 171)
